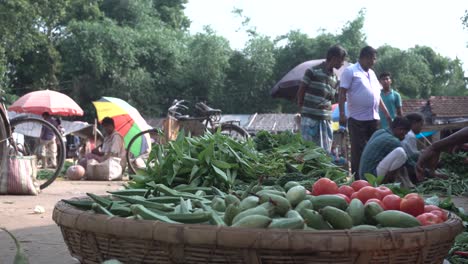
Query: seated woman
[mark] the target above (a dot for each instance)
(383, 154)
(113, 145)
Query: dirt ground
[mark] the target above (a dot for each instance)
(38, 233)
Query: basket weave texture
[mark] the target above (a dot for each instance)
(93, 238)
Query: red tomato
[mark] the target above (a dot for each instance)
(384, 191)
(429, 219)
(413, 205)
(441, 214)
(308, 192)
(367, 193)
(354, 196)
(392, 202)
(377, 201)
(359, 184)
(411, 195)
(344, 197)
(429, 208)
(346, 190)
(324, 186)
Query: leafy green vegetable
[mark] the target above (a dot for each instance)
(454, 162)
(220, 161)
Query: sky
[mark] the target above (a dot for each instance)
(398, 23)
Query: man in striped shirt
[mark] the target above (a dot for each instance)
(315, 96)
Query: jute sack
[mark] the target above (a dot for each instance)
(108, 170)
(20, 176)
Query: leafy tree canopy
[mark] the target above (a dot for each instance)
(142, 52)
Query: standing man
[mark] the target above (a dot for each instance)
(47, 143)
(391, 99)
(361, 88)
(316, 93)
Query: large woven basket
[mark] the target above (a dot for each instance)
(94, 238)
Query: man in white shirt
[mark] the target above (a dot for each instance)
(360, 87)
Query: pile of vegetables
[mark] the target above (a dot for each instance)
(300, 157)
(358, 206)
(456, 183)
(459, 251)
(220, 161)
(455, 162)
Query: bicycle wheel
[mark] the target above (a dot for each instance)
(26, 133)
(234, 131)
(139, 148)
(3, 145)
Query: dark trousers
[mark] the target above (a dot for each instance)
(359, 132)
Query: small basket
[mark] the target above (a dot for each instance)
(93, 238)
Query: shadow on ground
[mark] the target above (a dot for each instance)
(41, 238)
(42, 244)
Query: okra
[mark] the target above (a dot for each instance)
(162, 207)
(182, 209)
(191, 218)
(218, 192)
(215, 218)
(140, 192)
(101, 210)
(119, 210)
(193, 189)
(83, 205)
(164, 199)
(100, 200)
(167, 191)
(247, 191)
(147, 214)
(200, 193)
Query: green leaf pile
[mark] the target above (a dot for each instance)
(217, 160)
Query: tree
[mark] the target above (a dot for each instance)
(207, 63)
(447, 74)
(250, 77)
(410, 73)
(135, 64)
(300, 48)
(420, 72)
(127, 12)
(352, 36)
(464, 19)
(171, 12)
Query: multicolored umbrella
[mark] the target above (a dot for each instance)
(127, 119)
(53, 102)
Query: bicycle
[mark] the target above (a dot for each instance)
(20, 136)
(207, 119)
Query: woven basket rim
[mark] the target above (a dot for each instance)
(66, 215)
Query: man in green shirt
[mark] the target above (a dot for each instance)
(315, 96)
(391, 99)
(384, 154)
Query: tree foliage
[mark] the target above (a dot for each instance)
(141, 51)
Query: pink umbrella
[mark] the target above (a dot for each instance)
(53, 102)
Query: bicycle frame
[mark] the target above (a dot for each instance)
(6, 121)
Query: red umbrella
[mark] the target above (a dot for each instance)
(53, 102)
(288, 85)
